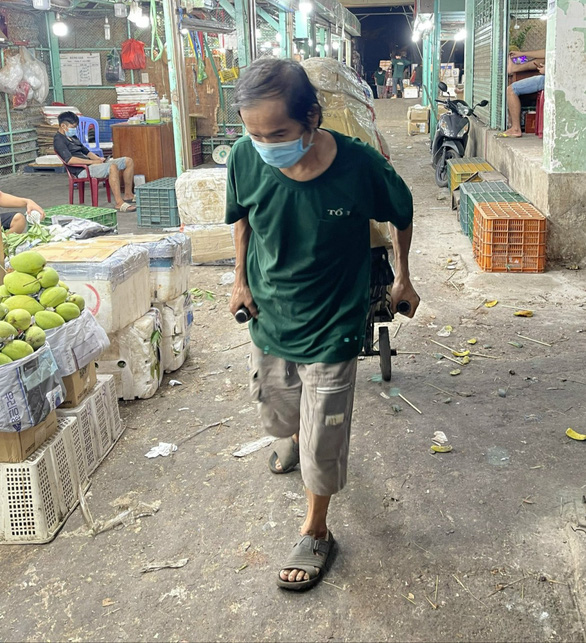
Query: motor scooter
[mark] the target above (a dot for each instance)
(451, 135)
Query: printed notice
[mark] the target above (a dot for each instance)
(81, 69)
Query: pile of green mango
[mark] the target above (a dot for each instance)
(32, 300)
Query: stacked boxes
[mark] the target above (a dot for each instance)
(418, 120)
(177, 319)
(472, 193)
(509, 237)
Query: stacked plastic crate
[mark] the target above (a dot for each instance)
(509, 237)
(465, 169)
(156, 204)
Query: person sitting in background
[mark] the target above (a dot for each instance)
(73, 152)
(514, 91)
(15, 222)
(524, 60)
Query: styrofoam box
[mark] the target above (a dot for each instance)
(134, 359)
(169, 265)
(38, 495)
(116, 290)
(201, 196)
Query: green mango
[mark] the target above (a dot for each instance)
(52, 297)
(47, 319)
(68, 311)
(25, 302)
(21, 319)
(35, 336)
(4, 359)
(30, 262)
(48, 277)
(17, 349)
(21, 283)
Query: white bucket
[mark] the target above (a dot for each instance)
(139, 180)
(105, 112)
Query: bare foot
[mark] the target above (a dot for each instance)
(513, 133)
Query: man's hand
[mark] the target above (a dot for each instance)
(31, 205)
(403, 290)
(241, 296)
(540, 67)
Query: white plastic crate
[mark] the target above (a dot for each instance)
(86, 428)
(38, 495)
(70, 423)
(109, 388)
(101, 413)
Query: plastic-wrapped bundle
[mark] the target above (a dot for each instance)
(201, 196)
(177, 318)
(31, 388)
(77, 343)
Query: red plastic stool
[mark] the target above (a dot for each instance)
(539, 115)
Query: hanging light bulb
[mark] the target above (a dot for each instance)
(306, 7)
(106, 30)
(60, 29)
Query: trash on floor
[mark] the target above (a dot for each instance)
(575, 435)
(251, 447)
(446, 331)
(175, 383)
(162, 449)
(156, 566)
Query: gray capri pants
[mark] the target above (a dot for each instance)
(315, 401)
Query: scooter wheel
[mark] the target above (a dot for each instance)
(441, 169)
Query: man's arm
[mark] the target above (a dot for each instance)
(10, 201)
(402, 289)
(76, 160)
(241, 295)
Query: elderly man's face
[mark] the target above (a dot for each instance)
(269, 122)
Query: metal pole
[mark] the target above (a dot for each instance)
(54, 59)
(251, 5)
(177, 87)
(243, 33)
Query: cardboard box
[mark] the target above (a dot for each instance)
(18, 446)
(417, 128)
(418, 114)
(78, 385)
(410, 92)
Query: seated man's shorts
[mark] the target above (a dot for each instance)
(315, 401)
(7, 219)
(529, 85)
(102, 170)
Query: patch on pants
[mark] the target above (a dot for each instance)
(334, 420)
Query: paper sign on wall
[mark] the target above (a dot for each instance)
(81, 69)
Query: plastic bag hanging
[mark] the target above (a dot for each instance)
(114, 71)
(133, 56)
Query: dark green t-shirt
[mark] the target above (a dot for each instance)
(308, 262)
(399, 65)
(379, 77)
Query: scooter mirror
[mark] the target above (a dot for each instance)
(443, 87)
(483, 103)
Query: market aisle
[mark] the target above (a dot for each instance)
(414, 528)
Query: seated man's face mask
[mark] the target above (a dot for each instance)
(283, 155)
(72, 131)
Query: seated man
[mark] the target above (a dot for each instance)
(15, 222)
(73, 152)
(520, 88)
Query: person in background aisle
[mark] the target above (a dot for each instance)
(72, 151)
(388, 83)
(15, 222)
(379, 81)
(400, 64)
(417, 77)
(300, 198)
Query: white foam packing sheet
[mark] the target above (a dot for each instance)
(177, 319)
(134, 357)
(77, 343)
(201, 196)
(116, 290)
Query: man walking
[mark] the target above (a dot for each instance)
(300, 199)
(399, 66)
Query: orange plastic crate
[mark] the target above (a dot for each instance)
(509, 237)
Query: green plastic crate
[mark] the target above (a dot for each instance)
(156, 204)
(480, 187)
(105, 216)
(489, 197)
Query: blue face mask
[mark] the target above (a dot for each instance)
(285, 154)
(72, 131)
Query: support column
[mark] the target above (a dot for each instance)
(286, 39)
(54, 58)
(243, 33)
(469, 53)
(177, 88)
(564, 132)
(436, 57)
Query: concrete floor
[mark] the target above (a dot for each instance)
(482, 543)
